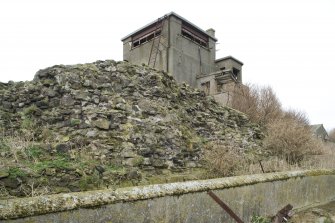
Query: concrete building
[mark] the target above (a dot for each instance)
(177, 46)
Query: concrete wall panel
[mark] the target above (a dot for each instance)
(261, 194)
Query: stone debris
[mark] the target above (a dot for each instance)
(119, 114)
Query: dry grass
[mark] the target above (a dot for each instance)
(224, 160)
(227, 161)
(14, 146)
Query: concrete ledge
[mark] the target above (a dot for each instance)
(24, 207)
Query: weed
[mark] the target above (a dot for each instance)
(223, 159)
(89, 182)
(260, 219)
(328, 220)
(30, 111)
(34, 152)
(16, 172)
(58, 163)
(137, 161)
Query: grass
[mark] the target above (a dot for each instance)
(15, 172)
(58, 163)
(260, 219)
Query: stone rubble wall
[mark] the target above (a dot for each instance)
(121, 115)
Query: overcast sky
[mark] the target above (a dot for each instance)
(287, 44)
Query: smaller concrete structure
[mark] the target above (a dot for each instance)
(320, 132)
(177, 46)
(222, 83)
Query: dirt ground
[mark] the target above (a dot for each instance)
(321, 214)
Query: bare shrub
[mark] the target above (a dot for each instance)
(288, 135)
(245, 99)
(269, 105)
(289, 139)
(298, 116)
(260, 104)
(33, 190)
(224, 160)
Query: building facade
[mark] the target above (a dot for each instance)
(177, 46)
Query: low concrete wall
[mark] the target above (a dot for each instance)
(261, 194)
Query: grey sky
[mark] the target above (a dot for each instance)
(287, 44)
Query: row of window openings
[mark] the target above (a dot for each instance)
(184, 33)
(146, 38)
(194, 38)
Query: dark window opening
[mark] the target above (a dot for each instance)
(222, 68)
(136, 43)
(186, 34)
(204, 44)
(158, 33)
(143, 40)
(206, 87)
(236, 72)
(146, 38)
(219, 87)
(150, 37)
(194, 36)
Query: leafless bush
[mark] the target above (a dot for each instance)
(287, 132)
(289, 139)
(245, 99)
(298, 116)
(223, 159)
(33, 190)
(269, 105)
(259, 103)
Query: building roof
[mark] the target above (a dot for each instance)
(315, 127)
(227, 58)
(168, 15)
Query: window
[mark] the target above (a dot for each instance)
(219, 87)
(236, 72)
(206, 87)
(146, 38)
(194, 35)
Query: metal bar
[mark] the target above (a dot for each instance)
(284, 214)
(260, 163)
(224, 206)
